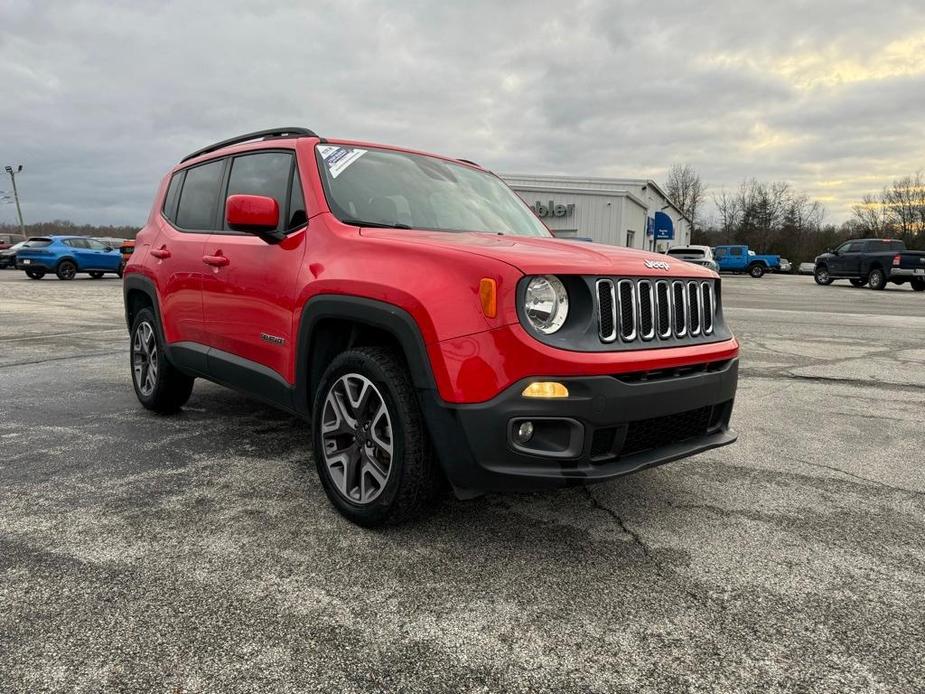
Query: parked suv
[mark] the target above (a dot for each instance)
(66, 256)
(423, 319)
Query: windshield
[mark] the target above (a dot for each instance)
(377, 187)
(686, 252)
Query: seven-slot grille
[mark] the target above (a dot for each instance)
(645, 309)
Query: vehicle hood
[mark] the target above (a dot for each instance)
(540, 256)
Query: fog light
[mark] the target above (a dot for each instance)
(524, 432)
(545, 389)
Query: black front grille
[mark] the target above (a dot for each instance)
(605, 300)
(680, 309)
(602, 443)
(647, 434)
(627, 294)
(693, 306)
(646, 311)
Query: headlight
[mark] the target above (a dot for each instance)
(546, 303)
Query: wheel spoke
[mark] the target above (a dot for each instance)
(343, 423)
(372, 479)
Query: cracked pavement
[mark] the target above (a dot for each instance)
(198, 553)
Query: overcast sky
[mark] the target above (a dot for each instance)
(99, 99)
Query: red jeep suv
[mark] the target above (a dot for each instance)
(424, 320)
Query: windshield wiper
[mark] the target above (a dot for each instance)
(377, 225)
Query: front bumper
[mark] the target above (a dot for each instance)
(607, 427)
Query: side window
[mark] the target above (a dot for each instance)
(95, 245)
(199, 197)
(297, 214)
(720, 253)
(736, 251)
(173, 192)
(76, 243)
(265, 173)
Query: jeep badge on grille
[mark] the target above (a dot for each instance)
(657, 265)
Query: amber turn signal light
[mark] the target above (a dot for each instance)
(545, 389)
(488, 294)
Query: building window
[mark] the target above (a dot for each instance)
(630, 238)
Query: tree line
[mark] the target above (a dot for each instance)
(67, 228)
(774, 217)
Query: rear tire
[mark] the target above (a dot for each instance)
(66, 270)
(159, 386)
(371, 447)
(822, 276)
(876, 279)
(96, 275)
(35, 274)
(918, 285)
(858, 281)
(756, 270)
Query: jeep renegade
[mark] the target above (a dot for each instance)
(423, 319)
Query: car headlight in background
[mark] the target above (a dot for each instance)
(546, 303)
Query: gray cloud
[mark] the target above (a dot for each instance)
(101, 98)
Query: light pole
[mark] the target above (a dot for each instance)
(12, 173)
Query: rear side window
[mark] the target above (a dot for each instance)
(173, 193)
(76, 243)
(879, 246)
(199, 197)
(266, 173)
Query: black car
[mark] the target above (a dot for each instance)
(872, 262)
(8, 255)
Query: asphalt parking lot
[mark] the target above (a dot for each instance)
(198, 553)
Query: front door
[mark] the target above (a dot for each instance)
(844, 257)
(249, 289)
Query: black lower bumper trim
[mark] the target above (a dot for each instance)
(626, 426)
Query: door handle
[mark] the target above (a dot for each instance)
(161, 252)
(215, 260)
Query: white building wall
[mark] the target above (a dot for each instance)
(604, 209)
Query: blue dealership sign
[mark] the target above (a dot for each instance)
(664, 227)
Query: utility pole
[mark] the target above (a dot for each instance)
(12, 173)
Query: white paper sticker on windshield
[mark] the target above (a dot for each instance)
(339, 158)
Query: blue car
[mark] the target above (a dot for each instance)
(66, 256)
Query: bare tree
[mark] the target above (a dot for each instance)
(728, 210)
(870, 215)
(685, 189)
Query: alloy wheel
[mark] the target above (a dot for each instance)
(356, 431)
(144, 358)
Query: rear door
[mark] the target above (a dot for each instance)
(79, 249)
(249, 299)
(189, 215)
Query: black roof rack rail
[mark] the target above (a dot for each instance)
(272, 132)
(468, 161)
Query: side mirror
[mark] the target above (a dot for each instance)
(256, 214)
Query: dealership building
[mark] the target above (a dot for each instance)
(619, 211)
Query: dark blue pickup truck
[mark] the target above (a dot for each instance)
(873, 262)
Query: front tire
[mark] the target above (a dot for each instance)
(67, 270)
(370, 444)
(159, 386)
(876, 279)
(822, 276)
(35, 274)
(756, 270)
(858, 281)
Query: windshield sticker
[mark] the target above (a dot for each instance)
(339, 158)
